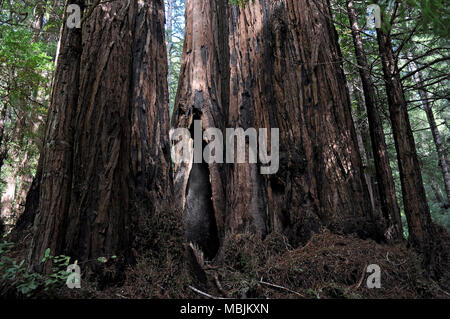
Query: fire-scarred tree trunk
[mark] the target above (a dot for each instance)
(286, 73)
(202, 95)
(280, 64)
(386, 186)
(106, 153)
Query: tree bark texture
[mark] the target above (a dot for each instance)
(286, 73)
(280, 64)
(106, 153)
(202, 95)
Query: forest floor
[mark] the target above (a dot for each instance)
(327, 266)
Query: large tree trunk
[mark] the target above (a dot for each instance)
(56, 175)
(106, 152)
(386, 186)
(286, 73)
(283, 71)
(202, 95)
(421, 229)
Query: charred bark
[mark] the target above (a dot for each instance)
(286, 73)
(273, 65)
(202, 95)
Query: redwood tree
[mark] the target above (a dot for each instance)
(271, 65)
(422, 233)
(440, 149)
(286, 73)
(385, 181)
(105, 161)
(203, 95)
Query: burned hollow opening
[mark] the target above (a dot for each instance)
(199, 216)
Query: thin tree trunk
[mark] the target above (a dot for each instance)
(386, 186)
(421, 230)
(38, 20)
(27, 119)
(169, 28)
(3, 141)
(363, 137)
(439, 198)
(27, 200)
(434, 131)
(362, 124)
(7, 198)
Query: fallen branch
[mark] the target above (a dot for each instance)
(219, 286)
(443, 290)
(204, 293)
(280, 287)
(361, 279)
